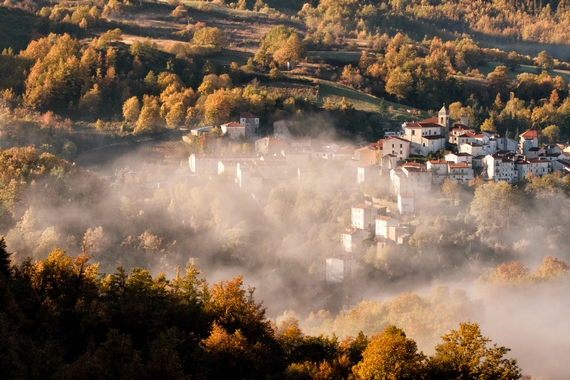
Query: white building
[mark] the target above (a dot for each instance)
(474, 149)
(411, 178)
(233, 130)
(296, 158)
(368, 155)
(367, 172)
(339, 270)
(387, 163)
(363, 216)
(503, 143)
(247, 178)
(351, 237)
(461, 172)
(396, 146)
(383, 226)
(438, 169)
(457, 131)
(528, 139)
(406, 203)
(207, 163)
(270, 145)
(227, 167)
(536, 166)
(458, 158)
(500, 168)
(425, 137)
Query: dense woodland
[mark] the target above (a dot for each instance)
(61, 319)
(75, 77)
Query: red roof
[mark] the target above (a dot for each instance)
(395, 138)
(430, 120)
(378, 144)
(277, 143)
(457, 166)
(529, 134)
(423, 124)
(247, 115)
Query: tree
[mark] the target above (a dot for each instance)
(131, 109)
(210, 37)
(149, 119)
(554, 98)
(4, 260)
(550, 268)
(552, 132)
(399, 83)
(511, 272)
(450, 189)
(499, 79)
(544, 61)
(274, 40)
(217, 107)
(464, 354)
(91, 101)
(489, 124)
(390, 355)
(290, 51)
(179, 12)
(496, 207)
(175, 117)
(512, 61)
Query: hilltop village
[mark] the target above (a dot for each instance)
(411, 163)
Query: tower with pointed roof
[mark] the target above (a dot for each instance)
(443, 120)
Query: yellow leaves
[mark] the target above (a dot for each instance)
(220, 341)
(390, 355)
(217, 107)
(210, 37)
(514, 272)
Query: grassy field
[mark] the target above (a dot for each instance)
(16, 28)
(489, 67)
(339, 56)
(222, 10)
(227, 56)
(366, 102)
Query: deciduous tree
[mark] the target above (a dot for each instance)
(390, 355)
(464, 354)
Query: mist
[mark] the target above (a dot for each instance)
(141, 210)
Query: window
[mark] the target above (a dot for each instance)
(400, 145)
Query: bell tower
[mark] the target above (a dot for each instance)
(443, 120)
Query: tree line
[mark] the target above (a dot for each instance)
(61, 318)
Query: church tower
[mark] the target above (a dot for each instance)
(443, 120)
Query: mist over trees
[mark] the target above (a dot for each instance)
(77, 79)
(62, 311)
